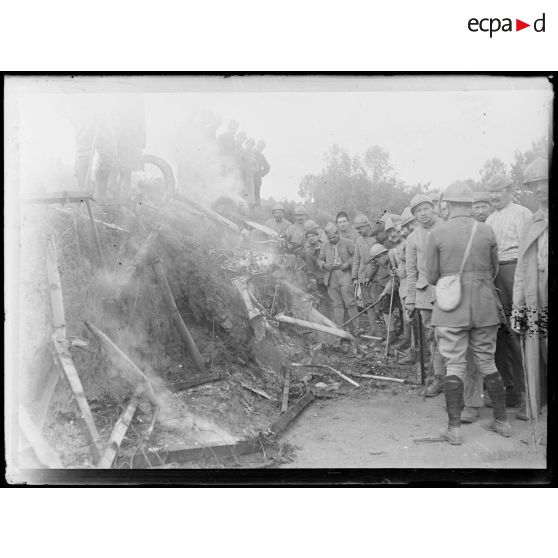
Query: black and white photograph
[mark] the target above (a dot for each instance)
(276, 271)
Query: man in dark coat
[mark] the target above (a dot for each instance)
(474, 322)
(261, 168)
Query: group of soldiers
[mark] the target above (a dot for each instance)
(485, 324)
(245, 155)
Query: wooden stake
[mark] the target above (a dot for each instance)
(327, 367)
(95, 233)
(177, 318)
(286, 388)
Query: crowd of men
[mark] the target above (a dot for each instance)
(244, 154)
(471, 267)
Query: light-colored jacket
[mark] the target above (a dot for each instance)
(419, 291)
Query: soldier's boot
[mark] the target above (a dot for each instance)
(435, 386)
(374, 329)
(522, 413)
(410, 357)
(470, 415)
(405, 341)
(453, 388)
(497, 392)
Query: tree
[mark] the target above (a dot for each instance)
(364, 183)
(491, 168)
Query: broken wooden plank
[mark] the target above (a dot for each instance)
(139, 259)
(286, 388)
(261, 228)
(241, 284)
(207, 212)
(327, 367)
(58, 197)
(66, 362)
(261, 393)
(183, 330)
(287, 418)
(118, 433)
(318, 327)
(187, 384)
(185, 455)
(43, 452)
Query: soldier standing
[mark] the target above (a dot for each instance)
(530, 289)
(262, 168)
(295, 232)
(336, 259)
(364, 242)
(419, 291)
(344, 227)
(508, 223)
(278, 223)
(473, 323)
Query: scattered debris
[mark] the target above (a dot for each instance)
(287, 418)
(187, 384)
(318, 327)
(259, 392)
(330, 368)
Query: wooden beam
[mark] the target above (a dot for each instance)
(95, 233)
(187, 384)
(66, 362)
(212, 453)
(327, 367)
(286, 388)
(259, 392)
(58, 197)
(318, 327)
(118, 433)
(183, 330)
(284, 421)
(55, 289)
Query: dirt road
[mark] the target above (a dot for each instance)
(378, 429)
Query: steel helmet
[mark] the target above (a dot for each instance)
(407, 216)
(376, 250)
(417, 200)
(435, 197)
(310, 225)
(481, 197)
(299, 210)
(361, 220)
(498, 182)
(389, 224)
(278, 207)
(537, 170)
(458, 192)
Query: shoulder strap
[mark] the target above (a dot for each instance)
(468, 249)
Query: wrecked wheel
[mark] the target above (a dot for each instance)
(155, 180)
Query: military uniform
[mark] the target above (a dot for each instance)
(295, 236)
(338, 281)
(279, 227)
(474, 322)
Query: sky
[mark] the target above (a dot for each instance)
(436, 129)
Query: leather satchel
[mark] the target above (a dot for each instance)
(448, 288)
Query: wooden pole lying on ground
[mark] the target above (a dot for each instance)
(207, 212)
(118, 433)
(386, 378)
(318, 327)
(259, 392)
(141, 255)
(286, 418)
(58, 197)
(327, 367)
(176, 317)
(187, 384)
(95, 236)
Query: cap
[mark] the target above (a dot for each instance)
(310, 225)
(330, 228)
(278, 207)
(481, 197)
(299, 210)
(498, 182)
